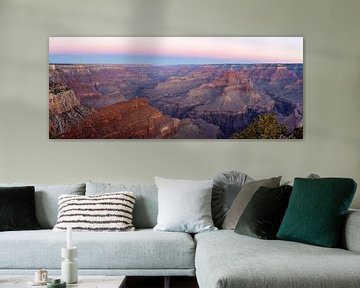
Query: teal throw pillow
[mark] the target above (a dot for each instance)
(316, 211)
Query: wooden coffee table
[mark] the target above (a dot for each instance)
(84, 281)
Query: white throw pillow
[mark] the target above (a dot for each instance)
(105, 212)
(184, 205)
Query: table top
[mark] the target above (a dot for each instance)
(84, 281)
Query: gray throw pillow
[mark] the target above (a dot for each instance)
(310, 176)
(242, 199)
(226, 187)
(184, 205)
(46, 200)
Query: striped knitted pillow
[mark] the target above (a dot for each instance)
(105, 212)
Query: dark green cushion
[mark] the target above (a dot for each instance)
(264, 213)
(17, 208)
(316, 211)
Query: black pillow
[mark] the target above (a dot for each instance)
(17, 208)
(263, 215)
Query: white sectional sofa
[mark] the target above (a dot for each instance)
(219, 259)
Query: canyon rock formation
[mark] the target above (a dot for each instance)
(177, 101)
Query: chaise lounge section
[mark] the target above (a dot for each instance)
(225, 259)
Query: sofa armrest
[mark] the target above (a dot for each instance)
(351, 234)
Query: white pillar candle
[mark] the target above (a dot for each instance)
(69, 237)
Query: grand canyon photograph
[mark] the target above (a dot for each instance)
(175, 88)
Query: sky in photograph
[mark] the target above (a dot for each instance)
(175, 50)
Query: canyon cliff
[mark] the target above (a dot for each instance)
(65, 110)
(136, 119)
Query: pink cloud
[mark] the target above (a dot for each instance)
(260, 49)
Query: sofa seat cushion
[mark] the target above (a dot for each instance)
(226, 259)
(142, 249)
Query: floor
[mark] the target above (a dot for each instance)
(158, 282)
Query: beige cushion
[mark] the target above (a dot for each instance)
(243, 198)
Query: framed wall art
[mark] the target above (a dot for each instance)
(176, 87)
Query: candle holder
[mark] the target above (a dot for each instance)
(69, 271)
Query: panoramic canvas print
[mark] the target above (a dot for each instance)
(176, 87)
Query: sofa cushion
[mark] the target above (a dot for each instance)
(46, 200)
(317, 209)
(184, 205)
(243, 198)
(146, 205)
(263, 215)
(225, 189)
(105, 212)
(350, 239)
(225, 259)
(17, 208)
(143, 249)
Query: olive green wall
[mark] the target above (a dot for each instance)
(331, 146)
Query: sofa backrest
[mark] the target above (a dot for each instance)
(146, 203)
(46, 200)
